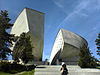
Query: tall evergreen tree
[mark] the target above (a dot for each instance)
(23, 49)
(86, 60)
(5, 38)
(98, 44)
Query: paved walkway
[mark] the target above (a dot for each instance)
(73, 70)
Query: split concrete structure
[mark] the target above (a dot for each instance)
(31, 22)
(66, 48)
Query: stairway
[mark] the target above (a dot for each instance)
(47, 70)
(72, 69)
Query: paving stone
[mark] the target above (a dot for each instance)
(72, 69)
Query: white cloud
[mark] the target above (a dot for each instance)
(92, 33)
(59, 3)
(77, 9)
(98, 4)
(82, 5)
(84, 8)
(97, 27)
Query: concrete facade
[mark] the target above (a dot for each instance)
(66, 47)
(31, 22)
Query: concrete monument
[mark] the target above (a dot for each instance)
(66, 47)
(32, 22)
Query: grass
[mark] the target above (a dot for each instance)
(98, 67)
(23, 73)
(2, 73)
(27, 73)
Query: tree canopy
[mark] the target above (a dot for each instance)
(23, 49)
(98, 44)
(5, 37)
(86, 60)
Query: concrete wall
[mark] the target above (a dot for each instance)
(69, 43)
(31, 22)
(58, 45)
(21, 24)
(73, 39)
(36, 30)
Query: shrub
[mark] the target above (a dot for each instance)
(14, 67)
(4, 66)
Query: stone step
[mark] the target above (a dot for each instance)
(72, 69)
(56, 68)
(71, 73)
(47, 73)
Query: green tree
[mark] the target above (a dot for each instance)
(5, 38)
(98, 44)
(86, 60)
(23, 49)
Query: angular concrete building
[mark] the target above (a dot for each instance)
(66, 48)
(32, 22)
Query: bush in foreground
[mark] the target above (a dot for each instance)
(14, 68)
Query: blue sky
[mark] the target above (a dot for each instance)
(79, 16)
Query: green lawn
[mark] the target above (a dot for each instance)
(2, 73)
(98, 67)
(24, 73)
(28, 73)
